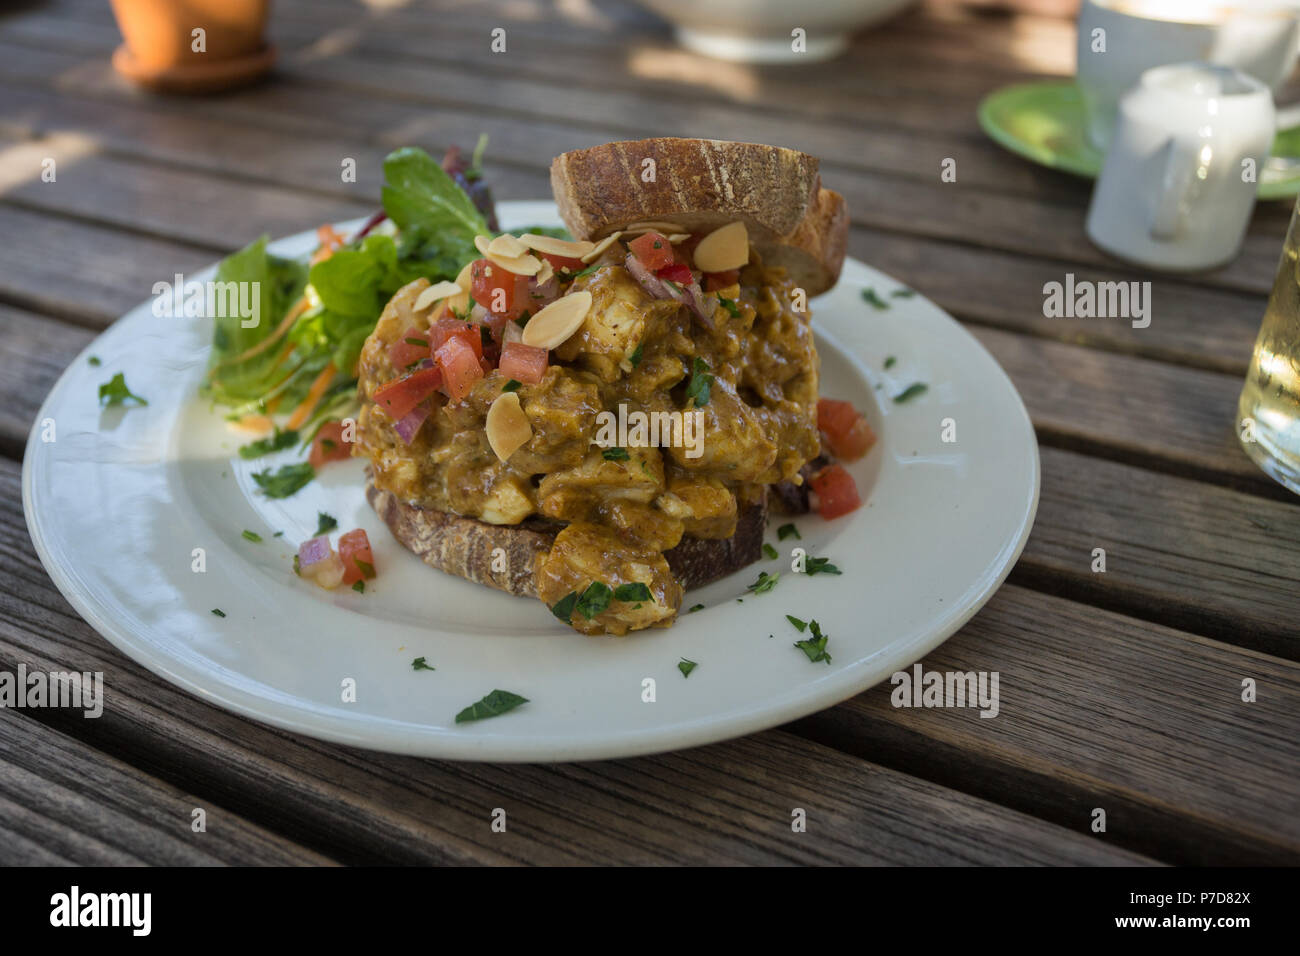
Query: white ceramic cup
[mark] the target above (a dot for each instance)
(1178, 185)
(1119, 40)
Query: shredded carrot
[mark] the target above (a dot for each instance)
(298, 309)
(314, 394)
(329, 241)
(256, 423)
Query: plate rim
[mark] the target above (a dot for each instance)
(393, 737)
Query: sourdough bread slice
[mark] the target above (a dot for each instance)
(702, 184)
(464, 546)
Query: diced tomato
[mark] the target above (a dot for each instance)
(713, 281)
(445, 329)
(328, 445)
(653, 249)
(461, 368)
(412, 347)
(847, 432)
(563, 263)
(358, 559)
(523, 363)
(498, 290)
(837, 493)
(398, 397)
(678, 272)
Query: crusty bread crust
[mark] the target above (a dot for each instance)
(464, 546)
(702, 184)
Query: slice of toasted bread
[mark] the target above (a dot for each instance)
(465, 546)
(702, 184)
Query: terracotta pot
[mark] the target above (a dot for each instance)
(159, 50)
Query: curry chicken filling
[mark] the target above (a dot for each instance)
(460, 414)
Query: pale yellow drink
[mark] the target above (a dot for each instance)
(1268, 414)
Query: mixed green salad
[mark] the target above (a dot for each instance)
(300, 360)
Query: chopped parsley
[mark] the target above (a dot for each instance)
(636, 591)
(694, 608)
(869, 296)
(788, 531)
(252, 536)
(493, 705)
(418, 343)
(597, 597)
(635, 358)
(733, 310)
(769, 552)
(367, 570)
(94, 360)
(819, 566)
(359, 587)
(903, 293)
(325, 523)
(686, 667)
(913, 390)
(286, 482)
(799, 625)
(420, 664)
(511, 386)
(115, 392)
(595, 600)
(889, 361)
(297, 566)
(218, 612)
(815, 646)
(697, 392)
(615, 454)
(587, 271)
(563, 608)
(764, 583)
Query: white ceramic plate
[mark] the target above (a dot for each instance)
(118, 502)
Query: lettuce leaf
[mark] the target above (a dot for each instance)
(419, 196)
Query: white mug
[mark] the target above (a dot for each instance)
(1119, 40)
(1178, 185)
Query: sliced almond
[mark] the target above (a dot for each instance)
(524, 265)
(507, 426)
(600, 247)
(465, 278)
(723, 249)
(654, 225)
(677, 237)
(507, 246)
(437, 292)
(556, 247)
(546, 273)
(553, 324)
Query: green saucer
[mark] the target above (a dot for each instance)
(1044, 122)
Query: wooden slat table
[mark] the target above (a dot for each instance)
(1120, 690)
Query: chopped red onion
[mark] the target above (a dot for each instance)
(313, 551)
(543, 293)
(408, 426)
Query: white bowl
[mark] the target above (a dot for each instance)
(762, 31)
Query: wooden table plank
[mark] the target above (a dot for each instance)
(1183, 553)
(391, 809)
(1098, 710)
(379, 95)
(87, 808)
(34, 351)
(1029, 638)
